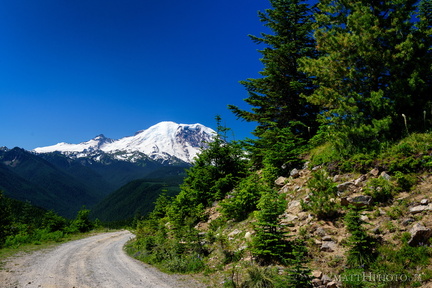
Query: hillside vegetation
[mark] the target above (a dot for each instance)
(334, 189)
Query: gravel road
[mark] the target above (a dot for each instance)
(97, 261)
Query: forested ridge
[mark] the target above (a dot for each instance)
(345, 95)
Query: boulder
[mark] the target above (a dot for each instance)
(280, 181)
(326, 279)
(295, 173)
(362, 178)
(385, 176)
(420, 208)
(358, 201)
(328, 246)
(317, 274)
(374, 172)
(345, 186)
(419, 235)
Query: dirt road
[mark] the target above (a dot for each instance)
(95, 262)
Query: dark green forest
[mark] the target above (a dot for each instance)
(346, 86)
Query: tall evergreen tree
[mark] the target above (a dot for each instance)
(374, 66)
(277, 105)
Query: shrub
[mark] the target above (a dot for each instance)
(380, 189)
(321, 199)
(405, 181)
(244, 198)
(259, 277)
(82, 222)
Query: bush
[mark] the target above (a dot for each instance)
(321, 199)
(380, 189)
(243, 199)
(82, 222)
(405, 181)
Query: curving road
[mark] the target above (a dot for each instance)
(97, 261)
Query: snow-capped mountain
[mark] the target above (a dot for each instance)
(164, 142)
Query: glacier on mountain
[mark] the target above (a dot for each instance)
(163, 142)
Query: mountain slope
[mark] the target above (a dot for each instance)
(166, 142)
(138, 197)
(27, 177)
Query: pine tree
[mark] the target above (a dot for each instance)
(277, 105)
(270, 243)
(374, 66)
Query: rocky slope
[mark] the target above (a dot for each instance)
(407, 214)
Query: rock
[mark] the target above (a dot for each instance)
(280, 181)
(424, 202)
(337, 178)
(326, 279)
(364, 218)
(316, 282)
(316, 168)
(320, 232)
(358, 201)
(407, 221)
(328, 246)
(376, 230)
(294, 173)
(317, 274)
(419, 234)
(288, 219)
(374, 172)
(385, 176)
(293, 205)
(345, 186)
(331, 284)
(234, 232)
(418, 209)
(303, 216)
(362, 178)
(327, 238)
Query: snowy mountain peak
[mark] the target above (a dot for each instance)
(163, 142)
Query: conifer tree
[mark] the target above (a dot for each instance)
(374, 66)
(270, 243)
(277, 105)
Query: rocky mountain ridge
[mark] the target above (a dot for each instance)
(166, 142)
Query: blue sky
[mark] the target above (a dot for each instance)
(70, 70)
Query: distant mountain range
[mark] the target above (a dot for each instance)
(63, 177)
(165, 142)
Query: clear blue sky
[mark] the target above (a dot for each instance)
(70, 70)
